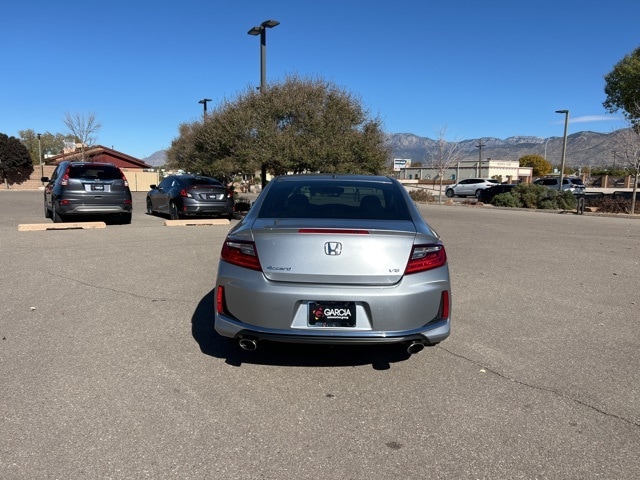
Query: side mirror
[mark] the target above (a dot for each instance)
(44, 179)
(153, 187)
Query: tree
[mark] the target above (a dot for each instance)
(15, 163)
(446, 154)
(623, 88)
(49, 144)
(628, 150)
(82, 128)
(299, 125)
(539, 165)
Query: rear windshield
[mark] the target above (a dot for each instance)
(95, 172)
(332, 199)
(191, 181)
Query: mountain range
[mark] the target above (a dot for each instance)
(583, 148)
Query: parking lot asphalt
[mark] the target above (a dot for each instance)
(110, 367)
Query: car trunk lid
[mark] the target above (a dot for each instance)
(347, 252)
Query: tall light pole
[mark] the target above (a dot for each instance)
(479, 146)
(204, 102)
(40, 157)
(545, 148)
(262, 31)
(564, 145)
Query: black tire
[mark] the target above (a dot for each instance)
(173, 211)
(149, 207)
(478, 194)
(449, 193)
(125, 218)
(57, 218)
(47, 212)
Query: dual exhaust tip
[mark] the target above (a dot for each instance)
(251, 344)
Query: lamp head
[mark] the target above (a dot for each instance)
(260, 28)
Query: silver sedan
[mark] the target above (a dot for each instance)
(337, 259)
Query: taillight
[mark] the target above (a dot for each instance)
(241, 253)
(444, 305)
(426, 257)
(229, 193)
(220, 300)
(124, 179)
(65, 178)
(185, 193)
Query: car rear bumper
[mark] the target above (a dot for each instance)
(206, 209)
(408, 310)
(430, 334)
(94, 209)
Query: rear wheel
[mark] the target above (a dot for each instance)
(125, 218)
(173, 211)
(449, 193)
(57, 218)
(149, 207)
(47, 212)
(478, 193)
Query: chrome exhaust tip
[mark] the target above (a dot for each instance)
(415, 347)
(248, 344)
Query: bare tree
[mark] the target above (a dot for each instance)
(446, 154)
(82, 128)
(628, 150)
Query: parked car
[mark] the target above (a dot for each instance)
(87, 188)
(572, 184)
(469, 187)
(487, 195)
(335, 259)
(190, 195)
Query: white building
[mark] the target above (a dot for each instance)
(507, 171)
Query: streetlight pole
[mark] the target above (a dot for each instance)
(479, 146)
(262, 31)
(564, 146)
(204, 102)
(40, 157)
(545, 148)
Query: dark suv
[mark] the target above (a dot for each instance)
(87, 188)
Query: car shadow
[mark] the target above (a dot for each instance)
(211, 343)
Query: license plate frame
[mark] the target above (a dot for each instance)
(331, 314)
(99, 187)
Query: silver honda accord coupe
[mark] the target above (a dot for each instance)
(334, 259)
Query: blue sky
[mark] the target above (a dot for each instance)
(492, 68)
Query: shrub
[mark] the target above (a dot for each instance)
(421, 195)
(242, 204)
(612, 205)
(506, 200)
(536, 196)
(567, 201)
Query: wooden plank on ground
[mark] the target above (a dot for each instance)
(32, 227)
(196, 222)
